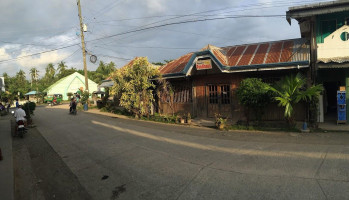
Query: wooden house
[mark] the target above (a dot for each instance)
(204, 81)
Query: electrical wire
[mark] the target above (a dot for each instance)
(152, 27)
(18, 58)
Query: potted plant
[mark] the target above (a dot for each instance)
(181, 119)
(188, 118)
(220, 121)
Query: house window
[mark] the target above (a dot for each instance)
(225, 94)
(181, 94)
(345, 35)
(213, 94)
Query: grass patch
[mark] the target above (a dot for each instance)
(171, 119)
(161, 118)
(263, 126)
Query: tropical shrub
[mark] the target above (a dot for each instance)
(134, 86)
(292, 89)
(254, 96)
(84, 97)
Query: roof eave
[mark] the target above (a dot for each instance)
(300, 12)
(271, 66)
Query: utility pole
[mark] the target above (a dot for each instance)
(83, 45)
(36, 83)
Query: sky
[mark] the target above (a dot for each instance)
(35, 33)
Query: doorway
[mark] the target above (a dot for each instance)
(330, 100)
(219, 100)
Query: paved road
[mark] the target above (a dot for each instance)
(115, 158)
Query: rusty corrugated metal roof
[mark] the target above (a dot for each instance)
(245, 56)
(177, 65)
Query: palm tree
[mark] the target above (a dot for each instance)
(50, 71)
(33, 75)
(20, 76)
(61, 67)
(105, 69)
(292, 89)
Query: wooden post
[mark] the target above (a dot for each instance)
(83, 45)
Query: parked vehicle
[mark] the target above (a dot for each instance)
(53, 99)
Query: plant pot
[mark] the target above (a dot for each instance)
(181, 120)
(221, 126)
(188, 121)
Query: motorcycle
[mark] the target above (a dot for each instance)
(20, 128)
(73, 111)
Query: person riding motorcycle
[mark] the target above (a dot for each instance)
(72, 105)
(20, 116)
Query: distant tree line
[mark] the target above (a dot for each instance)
(22, 84)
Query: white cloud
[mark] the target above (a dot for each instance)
(3, 54)
(155, 6)
(39, 61)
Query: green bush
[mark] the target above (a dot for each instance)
(84, 97)
(254, 95)
(29, 108)
(104, 109)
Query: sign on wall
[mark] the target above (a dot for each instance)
(203, 64)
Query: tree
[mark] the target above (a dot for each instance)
(50, 71)
(134, 86)
(253, 95)
(61, 69)
(18, 83)
(290, 90)
(106, 69)
(165, 91)
(33, 76)
(158, 63)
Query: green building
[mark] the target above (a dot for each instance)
(71, 83)
(326, 27)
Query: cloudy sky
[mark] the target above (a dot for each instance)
(37, 32)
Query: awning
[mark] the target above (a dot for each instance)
(106, 84)
(32, 93)
(98, 92)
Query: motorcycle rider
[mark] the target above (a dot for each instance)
(72, 105)
(20, 115)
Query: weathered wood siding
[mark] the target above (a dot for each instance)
(199, 104)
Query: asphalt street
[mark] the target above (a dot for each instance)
(116, 158)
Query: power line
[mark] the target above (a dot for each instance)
(115, 57)
(3, 61)
(253, 6)
(71, 54)
(132, 31)
(144, 47)
(175, 23)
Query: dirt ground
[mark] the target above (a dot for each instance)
(40, 173)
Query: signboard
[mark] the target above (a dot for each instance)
(203, 64)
